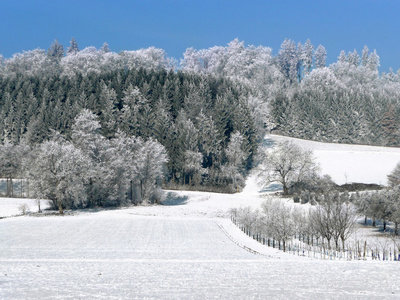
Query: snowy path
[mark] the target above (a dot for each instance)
(118, 254)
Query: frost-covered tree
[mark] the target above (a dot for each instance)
(353, 58)
(105, 48)
(307, 56)
(151, 162)
(73, 48)
(193, 166)
(320, 57)
(373, 61)
(342, 58)
(279, 220)
(85, 62)
(365, 56)
(109, 115)
(137, 117)
(33, 63)
(11, 164)
(57, 172)
(393, 199)
(287, 164)
(288, 60)
(86, 136)
(208, 138)
(394, 176)
(56, 51)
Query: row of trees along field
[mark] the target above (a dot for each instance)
(326, 231)
(298, 173)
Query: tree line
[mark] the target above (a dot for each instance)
(328, 224)
(210, 111)
(204, 122)
(300, 96)
(89, 170)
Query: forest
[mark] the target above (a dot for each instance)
(203, 117)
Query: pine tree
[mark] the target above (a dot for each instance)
(307, 55)
(109, 111)
(320, 57)
(353, 58)
(288, 60)
(342, 57)
(73, 48)
(390, 127)
(365, 56)
(56, 51)
(374, 62)
(105, 48)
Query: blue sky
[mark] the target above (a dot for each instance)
(177, 24)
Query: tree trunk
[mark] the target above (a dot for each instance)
(384, 225)
(336, 243)
(285, 190)
(365, 220)
(342, 238)
(7, 187)
(60, 208)
(131, 190)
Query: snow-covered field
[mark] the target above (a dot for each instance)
(11, 206)
(184, 249)
(349, 163)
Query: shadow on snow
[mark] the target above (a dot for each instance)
(173, 199)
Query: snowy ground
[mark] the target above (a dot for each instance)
(184, 249)
(118, 254)
(11, 206)
(349, 163)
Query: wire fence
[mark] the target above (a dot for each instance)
(386, 248)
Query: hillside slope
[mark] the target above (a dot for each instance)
(348, 163)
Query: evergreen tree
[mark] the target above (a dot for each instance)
(73, 48)
(307, 55)
(365, 56)
(105, 48)
(320, 57)
(56, 51)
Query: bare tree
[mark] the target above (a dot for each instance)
(287, 164)
(334, 218)
(280, 220)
